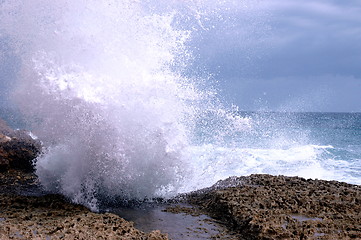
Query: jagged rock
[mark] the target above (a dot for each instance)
(279, 207)
(17, 149)
(28, 212)
(52, 217)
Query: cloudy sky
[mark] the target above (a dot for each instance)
(280, 55)
(288, 55)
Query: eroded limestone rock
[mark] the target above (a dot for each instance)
(278, 207)
(52, 217)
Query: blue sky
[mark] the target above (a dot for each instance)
(287, 55)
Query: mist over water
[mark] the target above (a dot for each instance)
(103, 85)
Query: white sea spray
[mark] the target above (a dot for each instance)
(102, 83)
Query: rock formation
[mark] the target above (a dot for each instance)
(51, 217)
(17, 149)
(278, 207)
(26, 212)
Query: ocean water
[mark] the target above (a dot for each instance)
(311, 145)
(105, 86)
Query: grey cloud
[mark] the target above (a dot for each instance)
(320, 36)
(296, 37)
(287, 49)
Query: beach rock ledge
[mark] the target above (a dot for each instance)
(279, 207)
(27, 212)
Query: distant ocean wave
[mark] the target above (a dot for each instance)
(309, 161)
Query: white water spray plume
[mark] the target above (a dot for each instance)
(102, 84)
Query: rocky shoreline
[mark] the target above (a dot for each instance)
(278, 207)
(28, 212)
(52, 217)
(252, 207)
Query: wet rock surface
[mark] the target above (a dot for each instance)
(17, 149)
(28, 212)
(180, 221)
(278, 207)
(26, 215)
(18, 182)
(52, 217)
